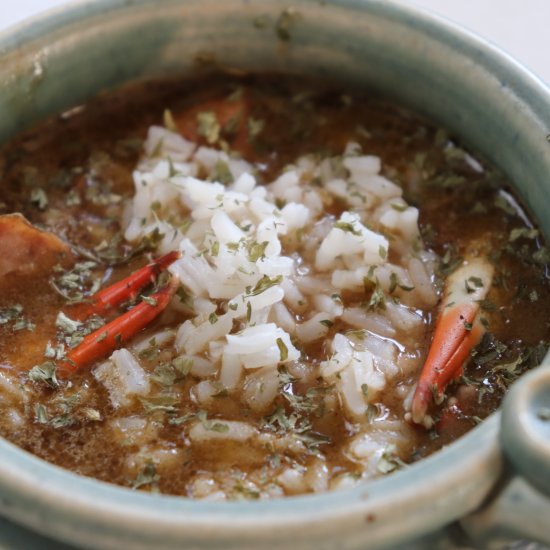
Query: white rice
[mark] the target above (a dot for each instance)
(267, 282)
(123, 377)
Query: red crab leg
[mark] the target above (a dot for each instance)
(106, 339)
(457, 332)
(126, 289)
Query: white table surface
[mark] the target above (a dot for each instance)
(520, 27)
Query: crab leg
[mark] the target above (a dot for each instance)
(457, 332)
(106, 339)
(126, 289)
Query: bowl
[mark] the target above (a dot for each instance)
(495, 106)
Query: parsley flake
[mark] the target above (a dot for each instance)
(263, 284)
(168, 120)
(46, 372)
(347, 227)
(149, 301)
(39, 198)
(255, 127)
(208, 126)
(283, 350)
(148, 476)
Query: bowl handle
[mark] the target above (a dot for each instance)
(519, 507)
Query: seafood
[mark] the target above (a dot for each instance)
(458, 330)
(114, 334)
(25, 249)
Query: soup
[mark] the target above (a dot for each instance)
(294, 250)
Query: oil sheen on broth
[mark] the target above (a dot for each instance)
(288, 426)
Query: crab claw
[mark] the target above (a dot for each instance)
(126, 289)
(457, 331)
(111, 336)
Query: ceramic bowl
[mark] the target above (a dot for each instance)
(495, 106)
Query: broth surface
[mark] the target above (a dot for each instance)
(73, 177)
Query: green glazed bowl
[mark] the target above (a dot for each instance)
(496, 479)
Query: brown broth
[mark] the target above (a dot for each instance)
(83, 156)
